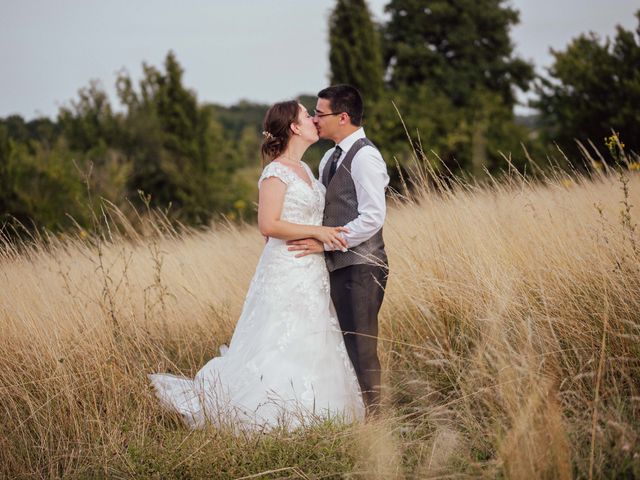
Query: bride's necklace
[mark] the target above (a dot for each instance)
(293, 163)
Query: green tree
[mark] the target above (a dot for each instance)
(456, 58)
(200, 159)
(88, 121)
(39, 183)
(457, 47)
(90, 145)
(178, 150)
(593, 87)
(39, 186)
(355, 55)
(8, 199)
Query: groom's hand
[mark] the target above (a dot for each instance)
(306, 246)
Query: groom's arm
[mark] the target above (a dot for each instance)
(370, 177)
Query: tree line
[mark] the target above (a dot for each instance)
(447, 68)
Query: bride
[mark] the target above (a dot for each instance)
(286, 364)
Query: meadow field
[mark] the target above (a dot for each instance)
(510, 343)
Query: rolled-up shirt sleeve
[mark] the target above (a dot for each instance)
(370, 177)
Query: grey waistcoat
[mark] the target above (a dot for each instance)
(341, 206)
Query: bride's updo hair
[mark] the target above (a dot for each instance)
(275, 129)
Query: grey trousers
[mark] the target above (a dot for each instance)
(357, 292)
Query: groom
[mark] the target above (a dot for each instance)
(355, 176)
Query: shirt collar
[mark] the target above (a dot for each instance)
(348, 142)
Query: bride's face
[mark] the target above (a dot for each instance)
(307, 128)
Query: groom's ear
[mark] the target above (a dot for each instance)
(344, 118)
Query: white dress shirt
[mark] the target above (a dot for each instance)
(369, 173)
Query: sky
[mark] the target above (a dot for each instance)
(258, 50)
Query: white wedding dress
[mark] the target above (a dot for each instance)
(286, 364)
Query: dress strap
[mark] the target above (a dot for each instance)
(276, 169)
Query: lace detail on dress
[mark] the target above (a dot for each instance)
(278, 170)
(302, 204)
(286, 361)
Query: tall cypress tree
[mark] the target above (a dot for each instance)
(355, 54)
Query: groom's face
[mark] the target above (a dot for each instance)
(327, 125)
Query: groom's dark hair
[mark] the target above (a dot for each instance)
(344, 98)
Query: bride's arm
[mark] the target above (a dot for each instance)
(270, 202)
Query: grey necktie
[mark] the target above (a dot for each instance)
(334, 162)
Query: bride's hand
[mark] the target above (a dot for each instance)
(332, 236)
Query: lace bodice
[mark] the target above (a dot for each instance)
(303, 204)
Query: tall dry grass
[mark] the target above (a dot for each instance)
(509, 337)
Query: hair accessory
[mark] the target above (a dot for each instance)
(267, 135)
